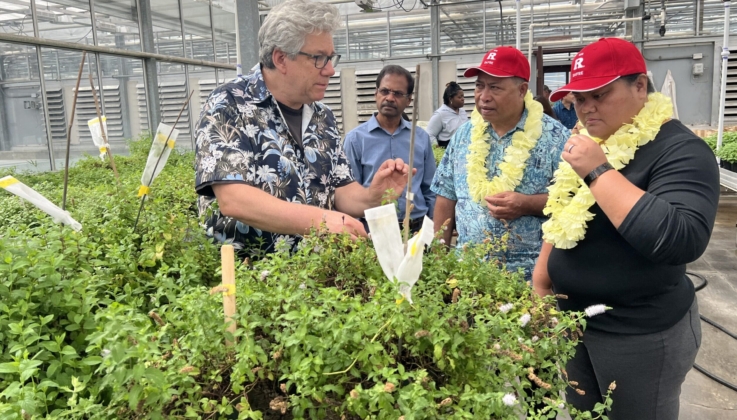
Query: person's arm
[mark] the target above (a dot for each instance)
(669, 223)
(354, 199)
(434, 127)
(541, 283)
(510, 205)
(445, 209)
(263, 211)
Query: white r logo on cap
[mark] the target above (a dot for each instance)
(491, 55)
(578, 64)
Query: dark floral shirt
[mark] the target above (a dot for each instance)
(242, 137)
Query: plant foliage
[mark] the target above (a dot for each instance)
(110, 323)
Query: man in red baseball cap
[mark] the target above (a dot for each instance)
(493, 178)
(646, 197)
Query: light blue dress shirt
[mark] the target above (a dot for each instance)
(369, 145)
(473, 220)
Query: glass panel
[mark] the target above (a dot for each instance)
(15, 17)
(167, 25)
(22, 128)
(367, 36)
(197, 30)
(68, 21)
(172, 95)
(117, 24)
(223, 21)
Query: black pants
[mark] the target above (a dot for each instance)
(649, 369)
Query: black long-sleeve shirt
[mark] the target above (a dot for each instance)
(639, 269)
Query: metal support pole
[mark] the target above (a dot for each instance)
(699, 17)
(388, 35)
(98, 62)
(44, 98)
(150, 76)
(518, 31)
(186, 70)
(725, 65)
(247, 24)
(347, 40)
(484, 24)
(435, 53)
(580, 12)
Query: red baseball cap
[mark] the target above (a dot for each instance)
(601, 63)
(502, 62)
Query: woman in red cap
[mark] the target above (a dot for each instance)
(633, 201)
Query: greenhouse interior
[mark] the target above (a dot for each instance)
(113, 294)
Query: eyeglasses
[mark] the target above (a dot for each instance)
(396, 93)
(321, 60)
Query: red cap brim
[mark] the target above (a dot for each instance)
(474, 71)
(585, 85)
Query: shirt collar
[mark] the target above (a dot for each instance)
(372, 124)
(520, 126)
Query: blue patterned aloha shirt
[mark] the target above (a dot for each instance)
(473, 221)
(243, 138)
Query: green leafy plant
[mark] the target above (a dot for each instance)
(110, 324)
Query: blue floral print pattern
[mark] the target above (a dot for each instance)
(243, 138)
(473, 221)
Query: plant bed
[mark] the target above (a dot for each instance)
(108, 323)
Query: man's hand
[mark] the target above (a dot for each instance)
(392, 174)
(337, 222)
(507, 205)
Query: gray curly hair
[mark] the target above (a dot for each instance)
(287, 25)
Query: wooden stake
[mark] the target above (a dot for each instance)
(102, 128)
(69, 133)
(408, 202)
(228, 266)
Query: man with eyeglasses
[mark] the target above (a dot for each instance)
(387, 136)
(269, 161)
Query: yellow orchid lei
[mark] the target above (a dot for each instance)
(515, 155)
(569, 198)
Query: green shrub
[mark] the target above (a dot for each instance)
(728, 152)
(114, 324)
(727, 138)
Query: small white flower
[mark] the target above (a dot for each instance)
(264, 274)
(520, 340)
(594, 310)
(497, 346)
(524, 319)
(442, 241)
(506, 308)
(302, 286)
(554, 321)
(105, 353)
(509, 399)
(317, 248)
(535, 338)
(561, 406)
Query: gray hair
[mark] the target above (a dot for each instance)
(287, 25)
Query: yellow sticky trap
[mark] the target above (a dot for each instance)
(229, 289)
(413, 249)
(103, 149)
(8, 181)
(143, 190)
(400, 300)
(170, 143)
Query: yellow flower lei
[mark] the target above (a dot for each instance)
(515, 155)
(569, 198)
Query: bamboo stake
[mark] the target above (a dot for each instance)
(228, 266)
(408, 204)
(69, 133)
(143, 199)
(102, 128)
